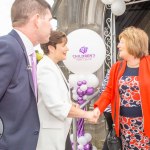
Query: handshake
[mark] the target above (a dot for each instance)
(92, 116)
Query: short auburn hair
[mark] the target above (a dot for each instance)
(136, 41)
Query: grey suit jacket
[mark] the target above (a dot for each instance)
(18, 108)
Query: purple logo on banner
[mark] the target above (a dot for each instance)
(83, 49)
(84, 54)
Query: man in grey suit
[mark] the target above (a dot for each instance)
(18, 99)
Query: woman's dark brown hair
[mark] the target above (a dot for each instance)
(55, 38)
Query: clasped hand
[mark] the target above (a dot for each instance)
(93, 116)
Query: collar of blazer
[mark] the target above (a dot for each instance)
(57, 69)
(16, 36)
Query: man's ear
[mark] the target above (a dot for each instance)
(36, 20)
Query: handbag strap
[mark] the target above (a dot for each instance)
(115, 99)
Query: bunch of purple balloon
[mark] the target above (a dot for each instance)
(82, 87)
(83, 91)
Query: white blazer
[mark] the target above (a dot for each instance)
(54, 104)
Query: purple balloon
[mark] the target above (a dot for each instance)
(89, 91)
(79, 91)
(84, 82)
(80, 98)
(79, 83)
(80, 102)
(87, 147)
(83, 93)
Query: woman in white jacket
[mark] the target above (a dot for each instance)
(54, 103)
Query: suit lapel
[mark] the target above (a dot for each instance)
(28, 68)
